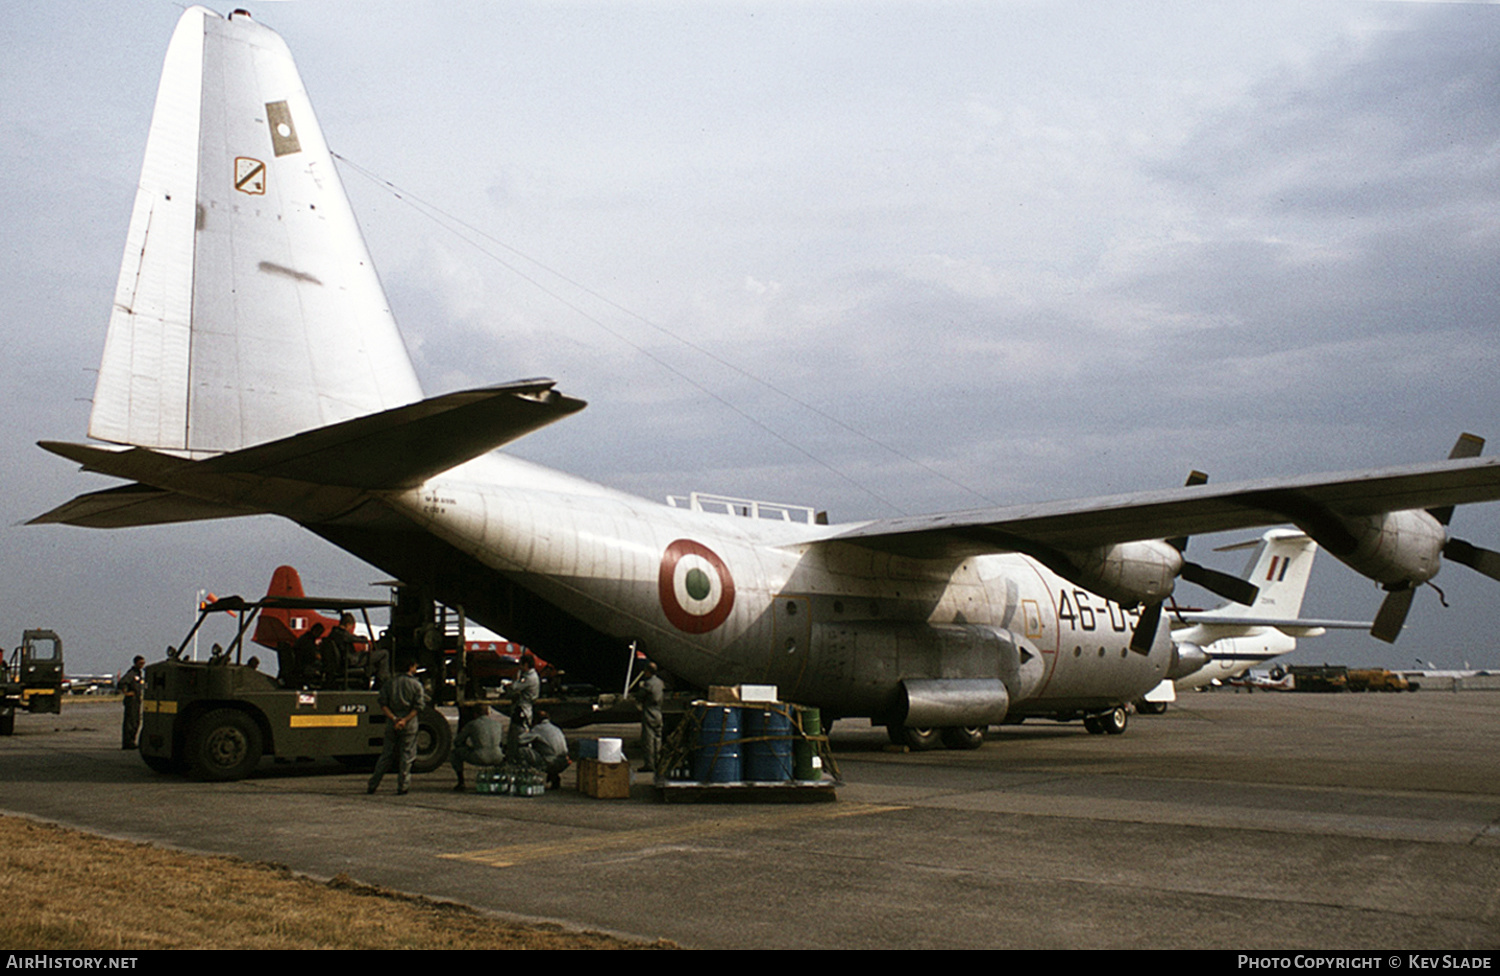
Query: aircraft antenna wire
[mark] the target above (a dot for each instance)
(446, 220)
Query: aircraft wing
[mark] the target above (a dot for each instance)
(1088, 523)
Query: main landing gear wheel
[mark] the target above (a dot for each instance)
(1112, 722)
(915, 739)
(963, 736)
(1151, 707)
(223, 745)
(434, 740)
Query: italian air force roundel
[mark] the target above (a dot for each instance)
(696, 589)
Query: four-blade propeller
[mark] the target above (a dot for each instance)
(1398, 599)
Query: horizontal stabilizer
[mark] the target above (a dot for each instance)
(404, 446)
(391, 450)
(133, 505)
(1280, 623)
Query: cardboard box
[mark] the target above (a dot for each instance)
(604, 781)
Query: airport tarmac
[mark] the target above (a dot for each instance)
(1233, 821)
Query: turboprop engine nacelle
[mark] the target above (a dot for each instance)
(1131, 573)
(1393, 548)
(1187, 658)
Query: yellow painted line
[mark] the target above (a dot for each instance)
(324, 721)
(647, 837)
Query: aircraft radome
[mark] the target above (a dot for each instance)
(252, 365)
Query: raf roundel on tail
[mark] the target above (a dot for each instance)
(252, 365)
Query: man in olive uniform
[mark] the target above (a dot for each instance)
(650, 693)
(544, 747)
(335, 651)
(524, 692)
(133, 687)
(401, 699)
(481, 742)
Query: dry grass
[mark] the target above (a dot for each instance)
(64, 889)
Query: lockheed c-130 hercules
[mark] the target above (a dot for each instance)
(252, 366)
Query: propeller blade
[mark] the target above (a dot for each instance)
(1468, 446)
(1392, 615)
(1145, 629)
(1485, 561)
(1194, 478)
(1229, 587)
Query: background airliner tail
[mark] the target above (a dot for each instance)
(1280, 567)
(247, 308)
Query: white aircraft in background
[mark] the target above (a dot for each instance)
(252, 365)
(1226, 642)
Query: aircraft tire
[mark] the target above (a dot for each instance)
(434, 741)
(223, 745)
(915, 739)
(1114, 721)
(1151, 708)
(963, 736)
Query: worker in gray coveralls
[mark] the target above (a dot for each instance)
(524, 692)
(649, 693)
(401, 700)
(481, 742)
(544, 747)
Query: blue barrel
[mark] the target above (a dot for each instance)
(717, 758)
(768, 745)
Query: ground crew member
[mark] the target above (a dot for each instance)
(133, 686)
(524, 692)
(481, 742)
(335, 651)
(545, 747)
(401, 700)
(650, 693)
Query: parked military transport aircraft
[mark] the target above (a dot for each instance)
(252, 365)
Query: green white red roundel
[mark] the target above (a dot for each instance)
(696, 589)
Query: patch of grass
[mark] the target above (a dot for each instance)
(64, 889)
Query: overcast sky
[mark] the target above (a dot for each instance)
(877, 258)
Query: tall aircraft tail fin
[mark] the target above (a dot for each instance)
(279, 627)
(247, 308)
(1280, 567)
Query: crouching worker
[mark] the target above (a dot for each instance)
(481, 742)
(544, 747)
